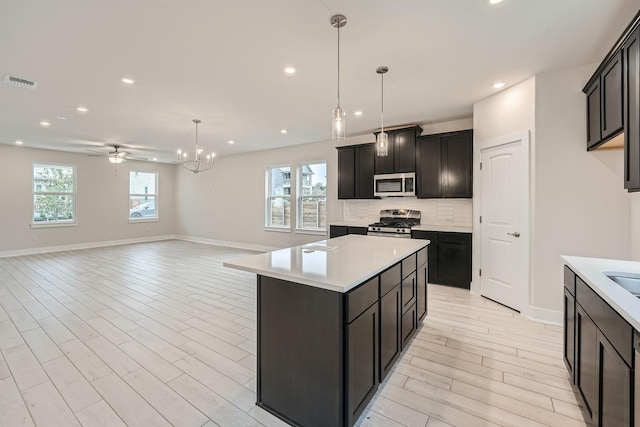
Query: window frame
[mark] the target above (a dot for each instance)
(156, 218)
(268, 223)
(74, 194)
(321, 231)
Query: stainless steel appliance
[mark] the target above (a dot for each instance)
(395, 223)
(394, 185)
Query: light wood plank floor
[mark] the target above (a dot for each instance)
(161, 334)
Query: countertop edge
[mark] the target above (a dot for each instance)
(425, 227)
(591, 270)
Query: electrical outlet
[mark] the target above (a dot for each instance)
(34, 237)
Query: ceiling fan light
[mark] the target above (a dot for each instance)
(115, 158)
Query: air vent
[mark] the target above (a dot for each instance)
(17, 81)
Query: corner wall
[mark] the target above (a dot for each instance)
(102, 205)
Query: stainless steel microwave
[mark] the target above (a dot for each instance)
(394, 185)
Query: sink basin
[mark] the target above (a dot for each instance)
(629, 281)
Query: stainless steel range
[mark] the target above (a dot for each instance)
(395, 223)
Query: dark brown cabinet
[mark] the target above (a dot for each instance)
(355, 171)
(598, 352)
(449, 257)
(362, 362)
(402, 151)
(611, 96)
(343, 230)
(594, 125)
(631, 85)
(390, 311)
(444, 166)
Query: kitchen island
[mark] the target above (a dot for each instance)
(333, 317)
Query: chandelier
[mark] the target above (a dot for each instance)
(198, 163)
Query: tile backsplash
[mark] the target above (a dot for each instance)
(456, 212)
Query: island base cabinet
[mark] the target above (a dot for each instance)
(389, 330)
(362, 362)
(409, 325)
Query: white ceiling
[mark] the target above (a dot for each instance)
(222, 62)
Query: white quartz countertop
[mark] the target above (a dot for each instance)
(592, 270)
(338, 264)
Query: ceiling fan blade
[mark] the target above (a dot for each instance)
(137, 158)
(95, 152)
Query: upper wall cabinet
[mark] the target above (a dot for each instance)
(355, 171)
(444, 165)
(612, 102)
(402, 151)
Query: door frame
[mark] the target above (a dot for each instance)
(525, 137)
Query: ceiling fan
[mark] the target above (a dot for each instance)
(116, 156)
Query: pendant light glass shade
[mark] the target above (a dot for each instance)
(382, 140)
(338, 122)
(338, 119)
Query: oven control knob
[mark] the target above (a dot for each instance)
(398, 230)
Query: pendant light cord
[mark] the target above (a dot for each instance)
(382, 105)
(338, 64)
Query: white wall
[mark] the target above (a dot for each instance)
(578, 204)
(581, 206)
(102, 208)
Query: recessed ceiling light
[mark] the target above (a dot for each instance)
(498, 85)
(127, 80)
(357, 113)
(18, 142)
(82, 109)
(289, 70)
(61, 118)
(45, 123)
(495, 1)
(231, 142)
(155, 159)
(283, 131)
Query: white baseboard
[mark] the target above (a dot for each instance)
(76, 246)
(543, 315)
(227, 243)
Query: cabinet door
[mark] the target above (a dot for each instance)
(357, 230)
(364, 158)
(404, 147)
(428, 167)
(611, 96)
(615, 386)
(457, 179)
(569, 332)
(408, 291)
(631, 60)
(594, 127)
(454, 259)
(346, 173)
(389, 330)
(421, 279)
(586, 363)
(362, 362)
(408, 325)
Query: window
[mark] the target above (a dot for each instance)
(142, 195)
(312, 196)
(278, 197)
(54, 193)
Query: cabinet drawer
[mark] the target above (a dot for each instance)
(361, 298)
(408, 265)
(390, 278)
(408, 291)
(422, 256)
(570, 280)
(613, 326)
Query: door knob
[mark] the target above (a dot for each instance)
(516, 234)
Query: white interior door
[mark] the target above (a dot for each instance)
(505, 221)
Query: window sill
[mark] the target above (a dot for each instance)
(311, 231)
(134, 221)
(278, 229)
(53, 224)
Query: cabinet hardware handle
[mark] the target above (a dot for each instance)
(516, 234)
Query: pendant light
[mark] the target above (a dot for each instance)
(338, 117)
(382, 140)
